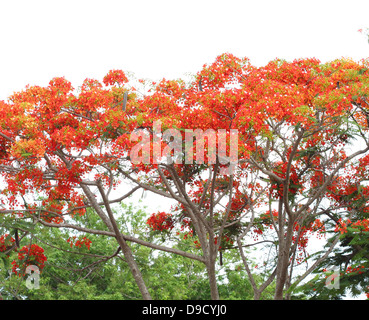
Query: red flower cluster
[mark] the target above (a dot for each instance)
(358, 269)
(33, 255)
(341, 226)
(357, 226)
(115, 76)
(302, 236)
(280, 171)
(5, 242)
(84, 241)
(160, 221)
(186, 229)
(225, 240)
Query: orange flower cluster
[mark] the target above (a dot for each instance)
(356, 226)
(115, 77)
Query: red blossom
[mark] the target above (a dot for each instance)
(160, 221)
(29, 255)
(115, 77)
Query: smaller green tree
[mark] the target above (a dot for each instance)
(83, 266)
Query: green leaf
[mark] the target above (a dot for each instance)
(362, 71)
(5, 261)
(27, 154)
(25, 225)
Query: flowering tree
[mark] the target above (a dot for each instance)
(350, 258)
(302, 151)
(300, 159)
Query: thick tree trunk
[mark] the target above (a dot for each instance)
(257, 295)
(134, 267)
(210, 267)
(112, 225)
(283, 262)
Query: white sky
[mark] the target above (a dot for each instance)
(154, 39)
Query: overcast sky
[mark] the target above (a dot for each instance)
(155, 39)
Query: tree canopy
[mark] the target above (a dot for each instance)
(251, 157)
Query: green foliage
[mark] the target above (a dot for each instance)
(98, 273)
(350, 261)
